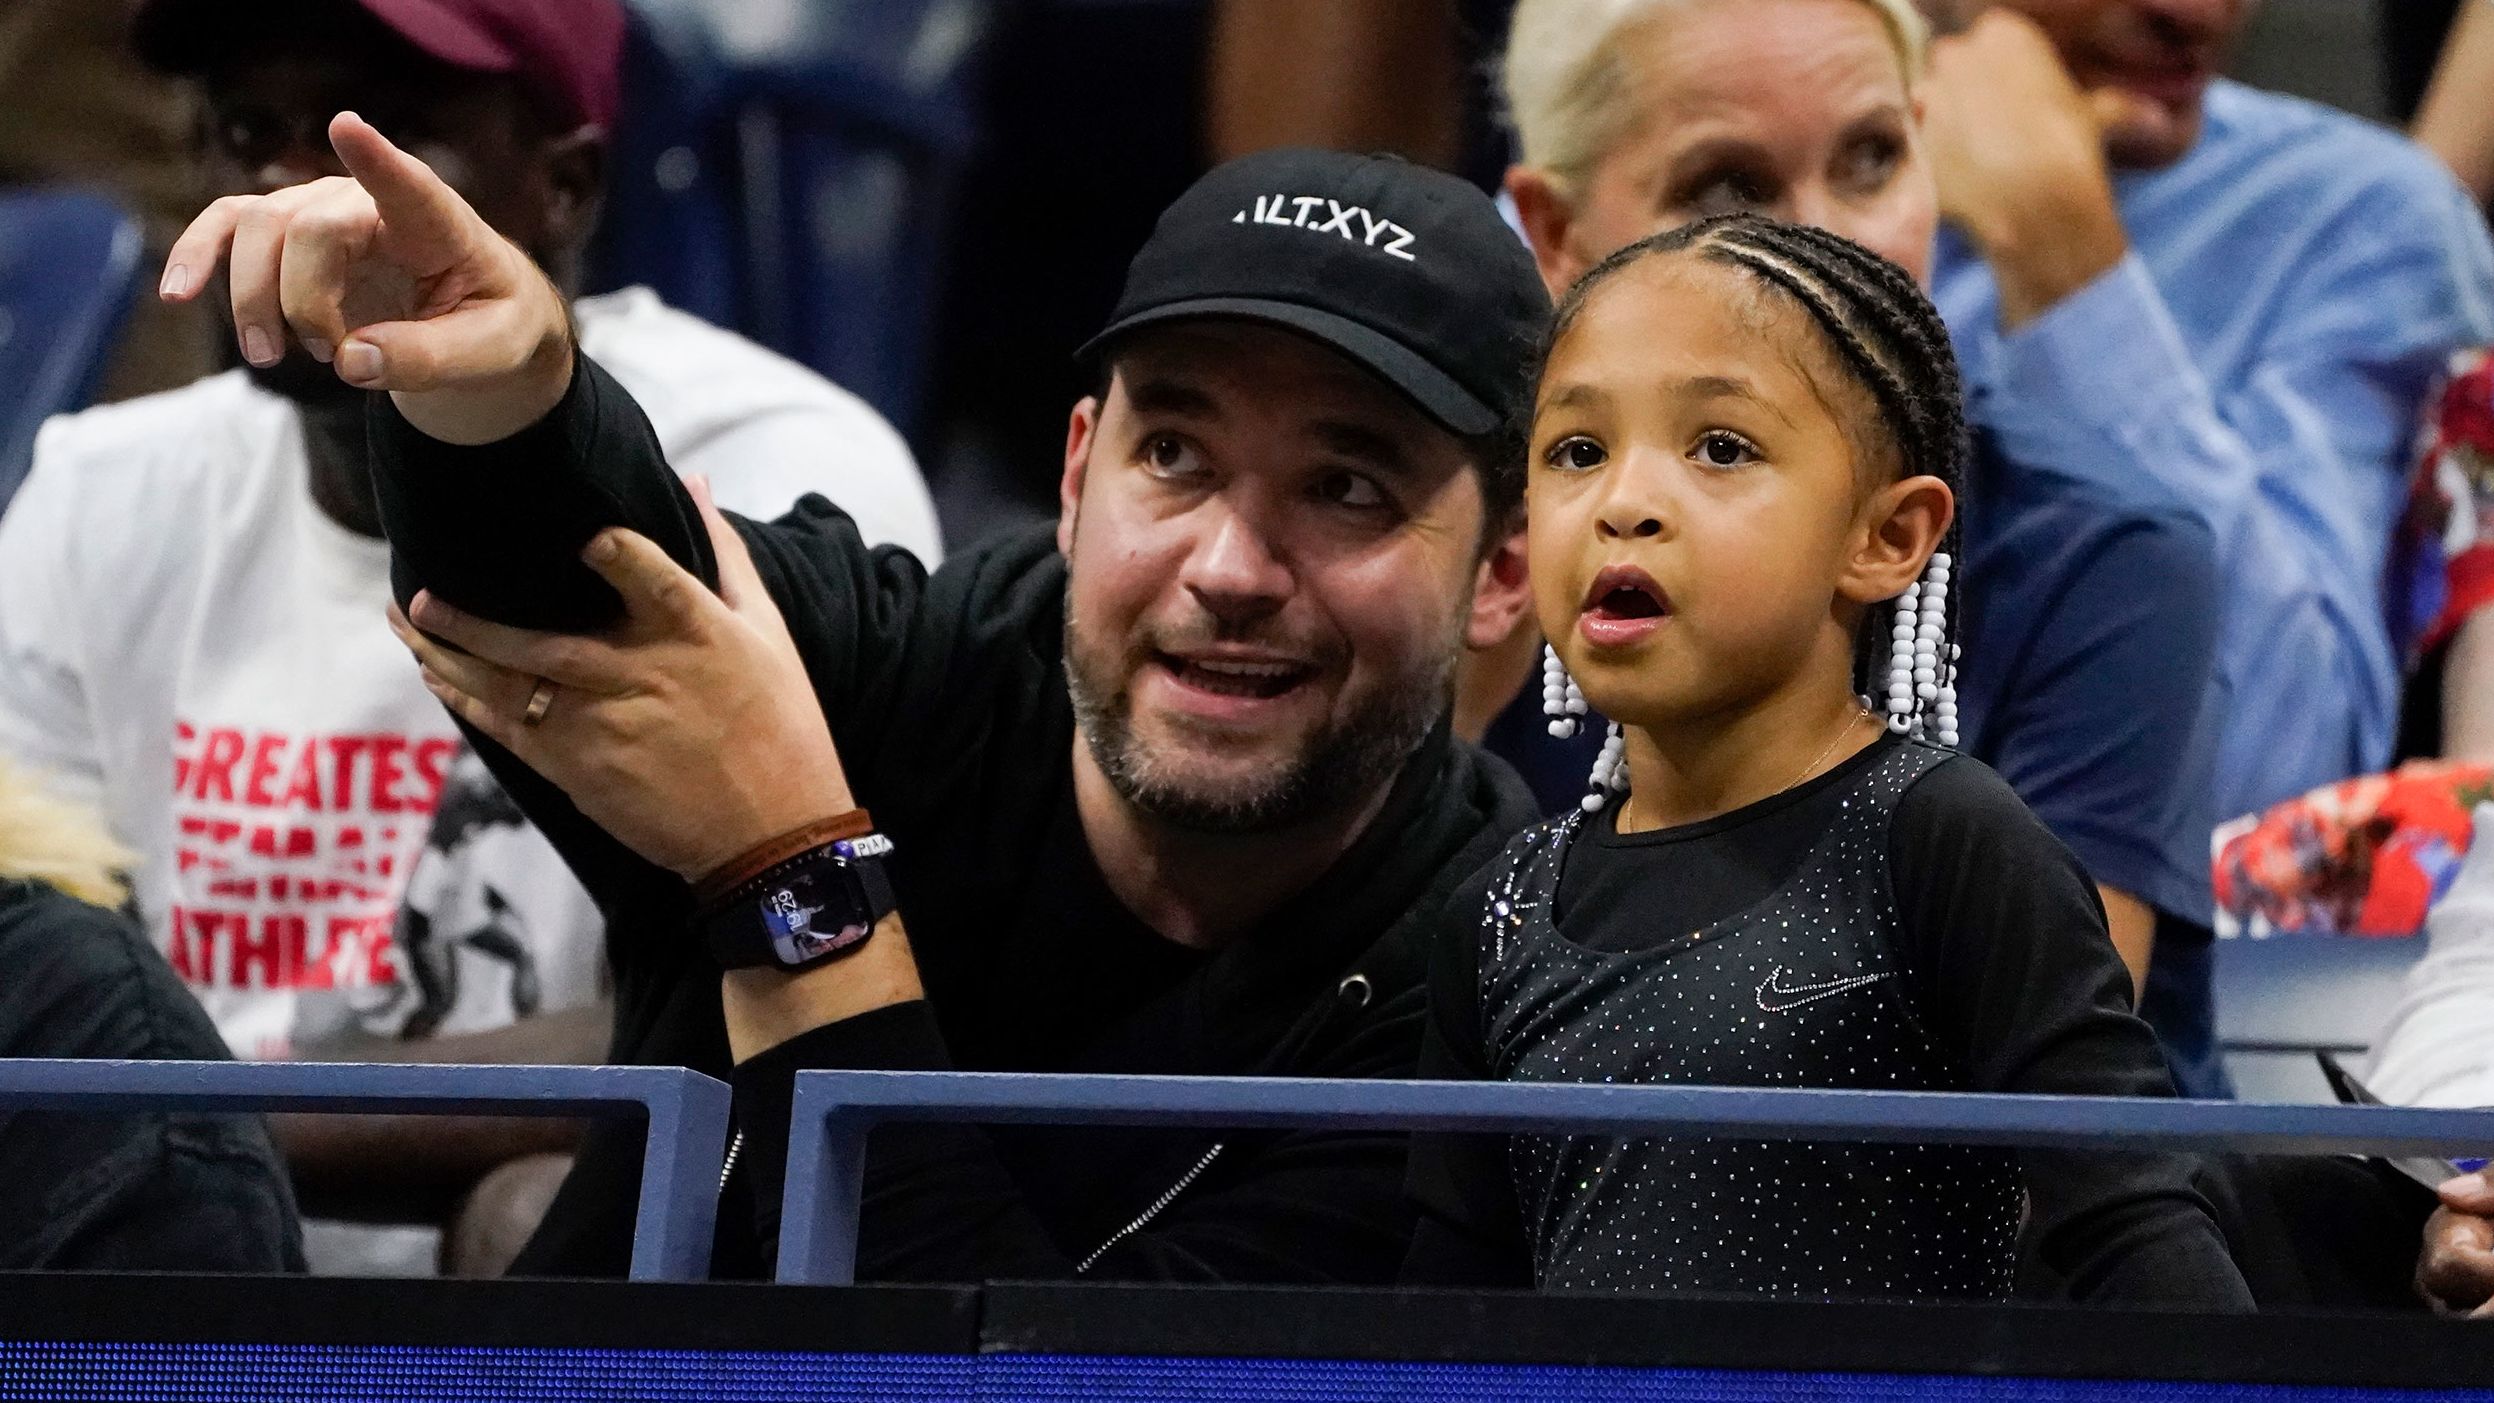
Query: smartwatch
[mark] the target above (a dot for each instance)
(809, 910)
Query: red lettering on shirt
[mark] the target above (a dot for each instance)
(289, 858)
(264, 752)
(183, 735)
(432, 771)
(387, 753)
(303, 791)
(259, 955)
(216, 766)
(343, 750)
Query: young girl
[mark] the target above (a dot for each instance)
(1745, 454)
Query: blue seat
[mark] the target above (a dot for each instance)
(673, 221)
(69, 265)
(788, 169)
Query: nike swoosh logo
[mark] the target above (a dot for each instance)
(1775, 995)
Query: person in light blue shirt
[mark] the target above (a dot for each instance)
(2152, 273)
(2247, 300)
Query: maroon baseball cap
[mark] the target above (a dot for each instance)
(568, 52)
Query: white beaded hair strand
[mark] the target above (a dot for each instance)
(1560, 699)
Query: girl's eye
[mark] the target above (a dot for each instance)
(1575, 453)
(1347, 489)
(1719, 448)
(1168, 455)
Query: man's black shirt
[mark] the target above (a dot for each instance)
(946, 696)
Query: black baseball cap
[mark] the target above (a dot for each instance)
(1410, 272)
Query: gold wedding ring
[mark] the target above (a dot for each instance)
(538, 702)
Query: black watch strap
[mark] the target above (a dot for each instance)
(812, 908)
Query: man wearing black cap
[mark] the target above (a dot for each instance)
(1168, 791)
(191, 587)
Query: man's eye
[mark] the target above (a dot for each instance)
(1348, 489)
(1171, 456)
(1575, 453)
(1719, 448)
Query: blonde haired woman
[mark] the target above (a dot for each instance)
(78, 979)
(1639, 114)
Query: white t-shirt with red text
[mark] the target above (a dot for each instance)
(188, 642)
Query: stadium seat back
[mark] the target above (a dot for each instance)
(799, 187)
(69, 266)
(672, 220)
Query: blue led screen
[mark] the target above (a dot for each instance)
(217, 1373)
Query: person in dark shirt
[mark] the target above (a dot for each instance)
(1746, 448)
(1169, 789)
(150, 1191)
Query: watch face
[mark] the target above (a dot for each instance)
(795, 938)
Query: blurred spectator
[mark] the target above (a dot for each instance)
(2092, 632)
(2152, 272)
(82, 109)
(139, 1192)
(2438, 1049)
(2247, 297)
(2456, 121)
(2441, 574)
(192, 590)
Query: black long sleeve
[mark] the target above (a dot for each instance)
(945, 694)
(2003, 936)
(2001, 940)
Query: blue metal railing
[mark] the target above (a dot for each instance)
(687, 1116)
(836, 1110)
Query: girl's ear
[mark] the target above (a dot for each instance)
(1900, 526)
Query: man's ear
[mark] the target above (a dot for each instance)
(1547, 217)
(1080, 429)
(1901, 525)
(1502, 593)
(575, 185)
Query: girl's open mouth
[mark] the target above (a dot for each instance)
(1623, 606)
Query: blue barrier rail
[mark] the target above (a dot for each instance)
(835, 1111)
(687, 1115)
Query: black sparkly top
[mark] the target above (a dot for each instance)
(1802, 988)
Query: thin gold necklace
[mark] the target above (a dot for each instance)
(1859, 715)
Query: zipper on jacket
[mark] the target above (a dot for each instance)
(1158, 1205)
(735, 1147)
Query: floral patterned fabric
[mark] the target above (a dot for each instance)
(2365, 857)
(2442, 565)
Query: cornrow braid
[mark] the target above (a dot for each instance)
(1890, 339)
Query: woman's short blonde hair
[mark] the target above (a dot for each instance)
(1567, 89)
(50, 840)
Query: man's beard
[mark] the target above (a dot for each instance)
(1344, 765)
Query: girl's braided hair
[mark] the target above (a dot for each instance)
(1884, 331)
